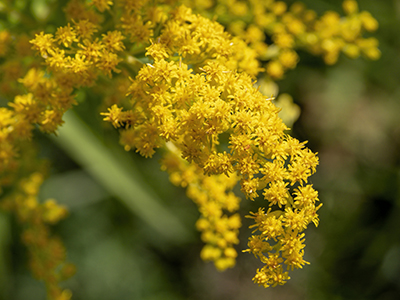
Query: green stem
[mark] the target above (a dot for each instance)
(119, 177)
(5, 240)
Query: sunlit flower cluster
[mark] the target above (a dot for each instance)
(214, 118)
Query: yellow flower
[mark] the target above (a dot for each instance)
(275, 69)
(102, 5)
(51, 120)
(369, 22)
(57, 58)
(288, 59)
(113, 41)
(85, 29)
(279, 7)
(138, 30)
(27, 107)
(350, 6)
(66, 35)
(91, 50)
(43, 43)
(283, 40)
(5, 40)
(108, 62)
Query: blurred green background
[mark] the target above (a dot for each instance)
(126, 250)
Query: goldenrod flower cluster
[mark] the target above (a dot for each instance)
(178, 82)
(292, 28)
(47, 254)
(217, 204)
(214, 118)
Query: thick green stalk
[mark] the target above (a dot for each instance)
(119, 177)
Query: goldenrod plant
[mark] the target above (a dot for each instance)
(173, 80)
(295, 27)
